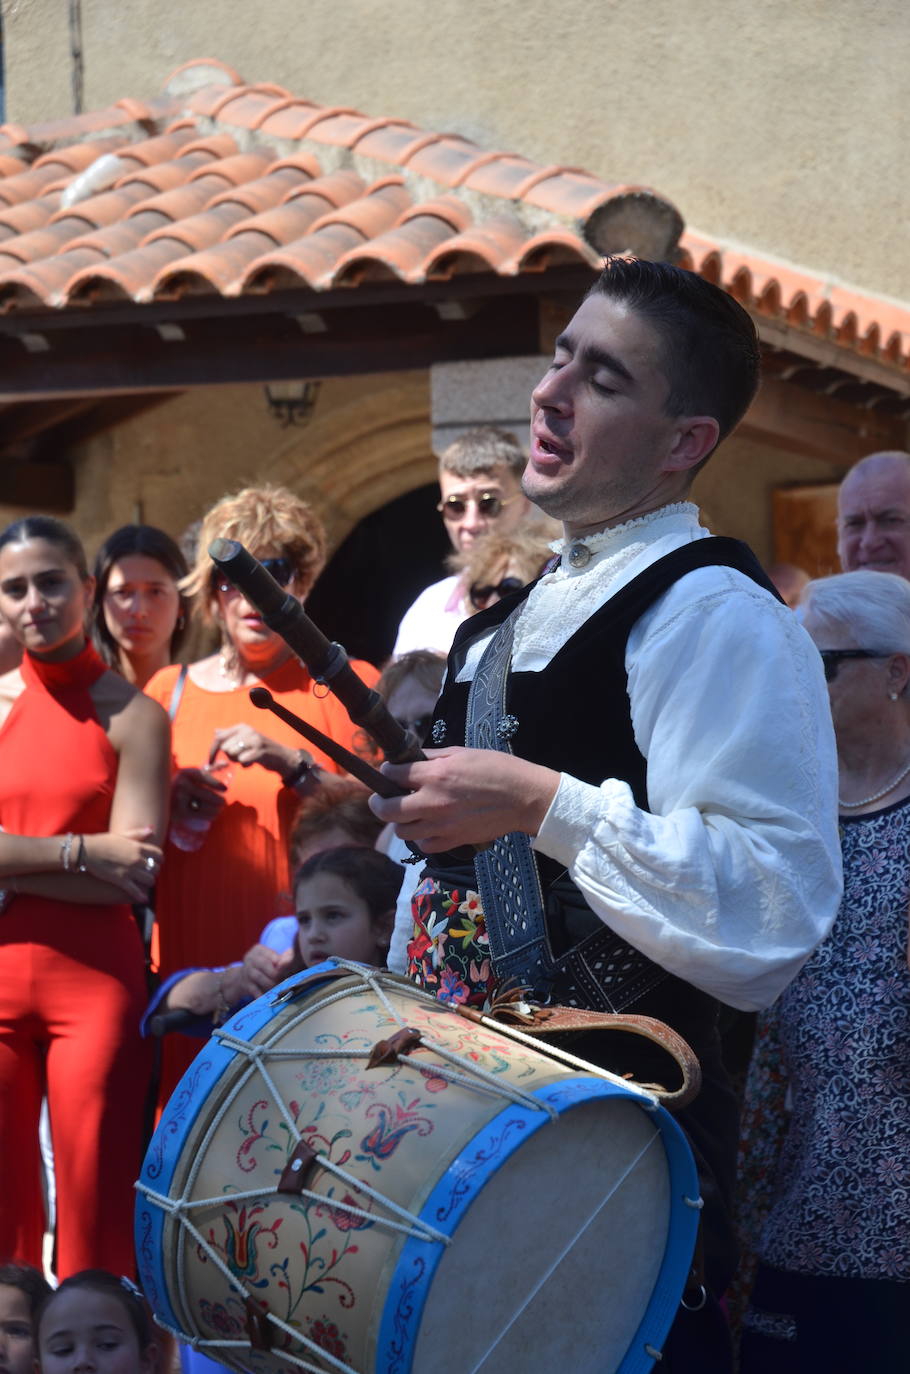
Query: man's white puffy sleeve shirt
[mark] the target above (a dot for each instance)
(733, 875)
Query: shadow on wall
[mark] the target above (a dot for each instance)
(373, 577)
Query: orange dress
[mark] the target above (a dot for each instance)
(72, 990)
(212, 904)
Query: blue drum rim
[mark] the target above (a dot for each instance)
(178, 1119)
(478, 1161)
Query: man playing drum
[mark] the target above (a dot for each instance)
(650, 744)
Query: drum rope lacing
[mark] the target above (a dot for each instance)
(207, 1343)
(477, 1077)
(472, 1076)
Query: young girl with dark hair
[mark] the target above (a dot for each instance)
(83, 797)
(96, 1321)
(345, 900)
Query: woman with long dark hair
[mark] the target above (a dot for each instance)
(83, 801)
(139, 613)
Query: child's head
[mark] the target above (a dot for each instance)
(22, 1290)
(345, 901)
(96, 1321)
(340, 817)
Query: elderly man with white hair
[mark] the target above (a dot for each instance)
(873, 517)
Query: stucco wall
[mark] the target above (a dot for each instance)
(772, 122)
(367, 442)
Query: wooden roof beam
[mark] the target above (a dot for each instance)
(819, 426)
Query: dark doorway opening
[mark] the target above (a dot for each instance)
(388, 558)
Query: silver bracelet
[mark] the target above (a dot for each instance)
(66, 851)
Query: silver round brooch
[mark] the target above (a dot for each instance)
(579, 556)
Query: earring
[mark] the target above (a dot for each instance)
(181, 621)
(893, 696)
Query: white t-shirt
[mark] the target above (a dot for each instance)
(431, 621)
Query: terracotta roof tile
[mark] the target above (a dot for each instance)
(31, 214)
(162, 148)
(263, 192)
(481, 248)
(221, 187)
(123, 277)
(51, 170)
(309, 261)
(105, 208)
(824, 308)
(42, 283)
(286, 118)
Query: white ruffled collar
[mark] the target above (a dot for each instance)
(616, 538)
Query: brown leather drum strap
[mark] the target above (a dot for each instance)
(541, 1022)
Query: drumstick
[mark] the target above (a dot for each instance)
(358, 768)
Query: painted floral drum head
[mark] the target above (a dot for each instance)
(353, 1177)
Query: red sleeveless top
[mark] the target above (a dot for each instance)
(57, 766)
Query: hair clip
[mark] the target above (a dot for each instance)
(131, 1288)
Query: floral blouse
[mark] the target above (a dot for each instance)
(840, 1200)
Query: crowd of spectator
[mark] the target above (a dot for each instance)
(164, 847)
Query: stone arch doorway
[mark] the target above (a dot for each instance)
(388, 557)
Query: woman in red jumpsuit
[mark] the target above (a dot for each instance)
(83, 788)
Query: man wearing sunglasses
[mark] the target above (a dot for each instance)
(480, 491)
(650, 771)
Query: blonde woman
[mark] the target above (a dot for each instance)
(239, 773)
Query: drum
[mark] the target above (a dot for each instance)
(354, 1177)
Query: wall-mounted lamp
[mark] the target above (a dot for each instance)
(292, 403)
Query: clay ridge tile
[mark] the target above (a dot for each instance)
(286, 119)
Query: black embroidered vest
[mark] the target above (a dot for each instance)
(574, 716)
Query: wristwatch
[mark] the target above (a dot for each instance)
(299, 771)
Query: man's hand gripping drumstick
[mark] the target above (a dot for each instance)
(459, 797)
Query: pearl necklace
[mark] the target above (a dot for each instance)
(876, 796)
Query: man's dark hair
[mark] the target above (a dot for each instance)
(710, 354)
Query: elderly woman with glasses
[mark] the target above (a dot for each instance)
(239, 773)
(832, 1233)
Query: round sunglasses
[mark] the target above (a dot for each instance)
(488, 503)
(282, 569)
